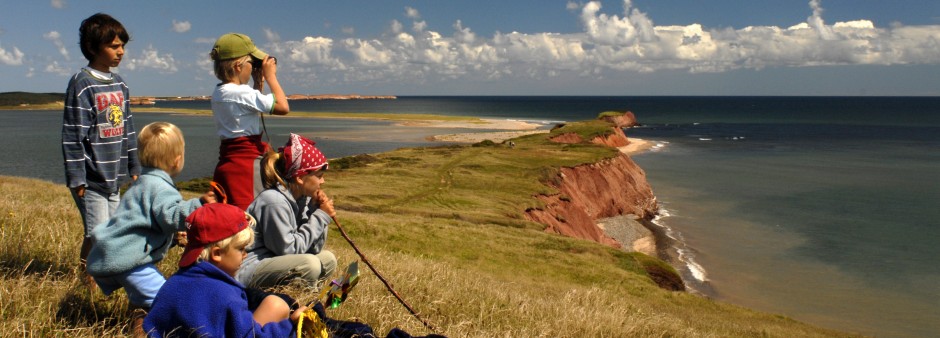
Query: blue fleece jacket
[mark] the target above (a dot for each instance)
(141, 229)
(203, 301)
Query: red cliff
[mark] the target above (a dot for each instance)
(586, 193)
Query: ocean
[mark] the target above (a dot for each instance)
(822, 209)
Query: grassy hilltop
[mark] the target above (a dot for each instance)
(444, 224)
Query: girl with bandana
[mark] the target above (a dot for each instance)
(293, 214)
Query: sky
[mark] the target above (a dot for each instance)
(500, 47)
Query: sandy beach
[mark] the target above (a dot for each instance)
(481, 124)
(636, 146)
(495, 136)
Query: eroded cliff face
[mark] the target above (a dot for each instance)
(609, 188)
(616, 139)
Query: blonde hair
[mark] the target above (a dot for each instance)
(271, 170)
(158, 146)
(243, 238)
(225, 69)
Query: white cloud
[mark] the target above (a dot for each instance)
(607, 44)
(463, 35)
(56, 68)
(58, 4)
(310, 51)
(56, 40)
(604, 29)
(816, 21)
(151, 58)
(371, 53)
(412, 13)
(181, 26)
(396, 27)
(11, 58)
(419, 26)
(348, 30)
(271, 35)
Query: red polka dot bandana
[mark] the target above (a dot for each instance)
(301, 156)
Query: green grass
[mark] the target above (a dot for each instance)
(444, 225)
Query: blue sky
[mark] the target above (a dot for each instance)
(489, 47)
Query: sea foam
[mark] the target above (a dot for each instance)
(685, 256)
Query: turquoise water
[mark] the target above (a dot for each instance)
(821, 209)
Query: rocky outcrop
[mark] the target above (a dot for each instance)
(616, 139)
(608, 194)
(142, 100)
(587, 193)
(621, 120)
(590, 192)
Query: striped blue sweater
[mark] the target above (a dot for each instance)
(99, 142)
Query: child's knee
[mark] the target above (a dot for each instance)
(272, 309)
(316, 267)
(278, 306)
(327, 263)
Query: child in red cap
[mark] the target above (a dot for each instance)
(203, 299)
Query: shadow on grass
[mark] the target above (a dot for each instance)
(17, 266)
(78, 309)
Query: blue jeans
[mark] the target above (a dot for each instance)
(96, 207)
(141, 284)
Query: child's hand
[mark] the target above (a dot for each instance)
(326, 203)
(180, 238)
(296, 314)
(269, 65)
(79, 190)
(208, 197)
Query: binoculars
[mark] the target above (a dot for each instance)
(256, 63)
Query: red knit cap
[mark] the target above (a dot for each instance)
(301, 156)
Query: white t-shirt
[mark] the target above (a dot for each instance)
(237, 109)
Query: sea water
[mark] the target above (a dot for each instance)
(823, 209)
(833, 224)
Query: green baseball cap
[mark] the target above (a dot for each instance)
(233, 45)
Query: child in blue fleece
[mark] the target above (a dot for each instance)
(140, 232)
(203, 299)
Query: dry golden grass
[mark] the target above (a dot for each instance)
(467, 279)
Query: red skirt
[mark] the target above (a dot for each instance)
(239, 171)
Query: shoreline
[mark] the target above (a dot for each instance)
(641, 237)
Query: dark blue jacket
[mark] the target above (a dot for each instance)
(203, 301)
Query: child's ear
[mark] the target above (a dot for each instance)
(178, 163)
(215, 255)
